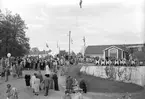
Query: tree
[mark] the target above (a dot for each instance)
(12, 34)
(35, 49)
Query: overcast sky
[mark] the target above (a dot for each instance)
(100, 21)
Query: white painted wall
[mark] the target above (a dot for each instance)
(137, 73)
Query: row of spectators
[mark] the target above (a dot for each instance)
(121, 62)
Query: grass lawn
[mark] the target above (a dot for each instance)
(97, 84)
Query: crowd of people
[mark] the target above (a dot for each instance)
(117, 62)
(38, 82)
(72, 84)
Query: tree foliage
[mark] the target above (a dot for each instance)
(12, 35)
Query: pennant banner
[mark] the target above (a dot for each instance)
(47, 45)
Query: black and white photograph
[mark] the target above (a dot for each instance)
(72, 49)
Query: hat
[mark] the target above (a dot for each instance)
(47, 75)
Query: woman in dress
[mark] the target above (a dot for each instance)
(47, 71)
(55, 79)
(32, 81)
(14, 70)
(27, 79)
(51, 81)
(36, 85)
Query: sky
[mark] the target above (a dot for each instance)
(100, 21)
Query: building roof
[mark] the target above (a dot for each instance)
(139, 55)
(98, 49)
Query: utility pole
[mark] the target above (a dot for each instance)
(69, 41)
(84, 40)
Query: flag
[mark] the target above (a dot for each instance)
(57, 45)
(84, 40)
(47, 45)
(81, 3)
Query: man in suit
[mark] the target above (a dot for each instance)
(39, 75)
(46, 82)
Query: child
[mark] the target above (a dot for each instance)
(78, 94)
(14, 93)
(9, 91)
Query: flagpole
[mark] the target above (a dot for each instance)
(69, 41)
(58, 47)
(84, 48)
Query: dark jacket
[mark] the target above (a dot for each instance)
(40, 77)
(46, 82)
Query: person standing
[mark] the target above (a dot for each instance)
(14, 93)
(47, 71)
(17, 69)
(39, 75)
(6, 74)
(7, 71)
(55, 79)
(46, 82)
(69, 83)
(13, 70)
(51, 81)
(27, 79)
(9, 91)
(32, 81)
(83, 86)
(20, 69)
(36, 85)
(38, 64)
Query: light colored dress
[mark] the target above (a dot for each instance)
(9, 93)
(47, 71)
(32, 81)
(36, 84)
(14, 93)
